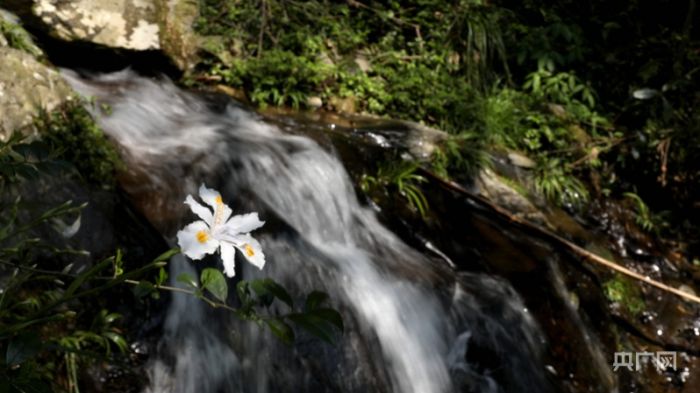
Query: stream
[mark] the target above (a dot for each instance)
(460, 302)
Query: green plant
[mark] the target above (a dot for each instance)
(647, 220)
(46, 323)
(211, 287)
(460, 155)
(278, 77)
(18, 38)
(39, 321)
(23, 160)
(74, 136)
(404, 179)
(558, 185)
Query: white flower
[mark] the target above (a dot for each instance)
(217, 231)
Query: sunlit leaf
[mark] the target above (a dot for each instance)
(118, 340)
(162, 276)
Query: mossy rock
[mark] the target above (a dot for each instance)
(27, 87)
(177, 36)
(624, 292)
(12, 34)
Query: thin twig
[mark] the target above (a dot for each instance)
(263, 9)
(39, 271)
(552, 236)
(189, 292)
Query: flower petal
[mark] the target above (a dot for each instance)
(244, 223)
(201, 211)
(195, 240)
(213, 199)
(251, 250)
(209, 196)
(224, 213)
(228, 255)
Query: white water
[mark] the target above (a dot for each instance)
(410, 321)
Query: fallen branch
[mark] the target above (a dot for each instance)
(556, 238)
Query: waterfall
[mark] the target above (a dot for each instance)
(411, 321)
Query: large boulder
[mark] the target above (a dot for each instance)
(26, 87)
(127, 24)
(177, 36)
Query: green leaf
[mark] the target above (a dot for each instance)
(315, 299)
(162, 277)
(143, 289)
(242, 288)
(108, 318)
(263, 296)
(87, 275)
(164, 257)
(315, 325)
(282, 330)
(330, 315)
(187, 279)
(21, 348)
(118, 340)
(215, 282)
(267, 285)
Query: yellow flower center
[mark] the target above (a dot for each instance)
(249, 250)
(202, 236)
(218, 211)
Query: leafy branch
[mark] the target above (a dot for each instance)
(212, 288)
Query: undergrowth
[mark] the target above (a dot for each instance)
(440, 64)
(495, 75)
(71, 131)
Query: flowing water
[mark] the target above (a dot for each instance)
(413, 324)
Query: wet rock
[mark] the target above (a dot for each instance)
(314, 102)
(422, 140)
(238, 94)
(225, 51)
(127, 24)
(177, 37)
(520, 160)
(26, 87)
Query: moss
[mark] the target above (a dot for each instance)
(625, 292)
(18, 38)
(72, 131)
(515, 185)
